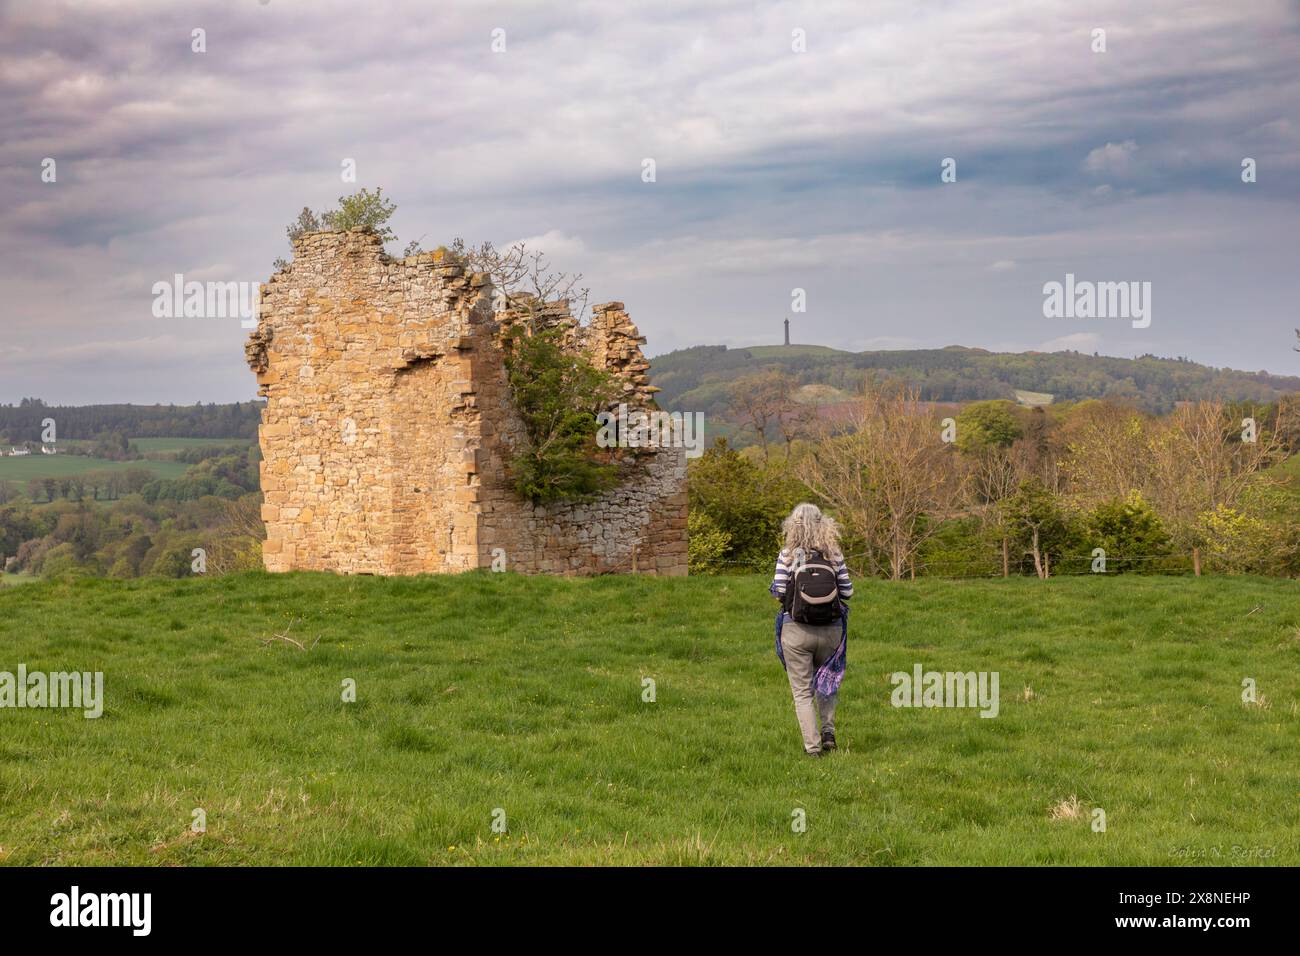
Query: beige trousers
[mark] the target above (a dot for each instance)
(807, 648)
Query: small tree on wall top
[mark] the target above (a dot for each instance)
(363, 208)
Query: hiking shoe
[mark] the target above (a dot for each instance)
(814, 753)
(828, 742)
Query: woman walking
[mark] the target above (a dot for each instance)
(812, 627)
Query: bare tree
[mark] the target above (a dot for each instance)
(991, 475)
(994, 473)
(762, 400)
(1198, 464)
(237, 536)
(890, 479)
(796, 419)
(523, 278)
(1106, 452)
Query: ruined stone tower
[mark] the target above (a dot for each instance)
(389, 424)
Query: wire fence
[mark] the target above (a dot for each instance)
(981, 566)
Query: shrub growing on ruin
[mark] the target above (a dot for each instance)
(558, 396)
(363, 208)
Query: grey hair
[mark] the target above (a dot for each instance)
(807, 529)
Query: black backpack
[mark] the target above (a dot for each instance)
(812, 595)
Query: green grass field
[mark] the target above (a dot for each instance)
(792, 351)
(1026, 397)
(27, 467)
(147, 445)
(488, 691)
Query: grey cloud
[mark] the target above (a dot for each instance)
(775, 168)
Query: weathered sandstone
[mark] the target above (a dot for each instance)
(388, 425)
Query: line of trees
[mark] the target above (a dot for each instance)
(95, 485)
(24, 422)
(142, 525)
(998, 488)
(131, 538)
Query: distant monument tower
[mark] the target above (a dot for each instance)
(787, 330)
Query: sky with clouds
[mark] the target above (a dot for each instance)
(775, 169)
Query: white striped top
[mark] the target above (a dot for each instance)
(785, 566)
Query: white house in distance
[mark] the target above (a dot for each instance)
(15, 452)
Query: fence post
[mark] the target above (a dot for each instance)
(1196, 561)
(1006, 560)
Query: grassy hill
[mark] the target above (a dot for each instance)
(484, 691)
(701, 378)
(793, 351)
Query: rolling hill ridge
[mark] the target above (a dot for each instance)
(701, 378)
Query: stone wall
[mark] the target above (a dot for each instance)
(389, 425)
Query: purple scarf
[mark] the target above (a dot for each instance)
(826, 683)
